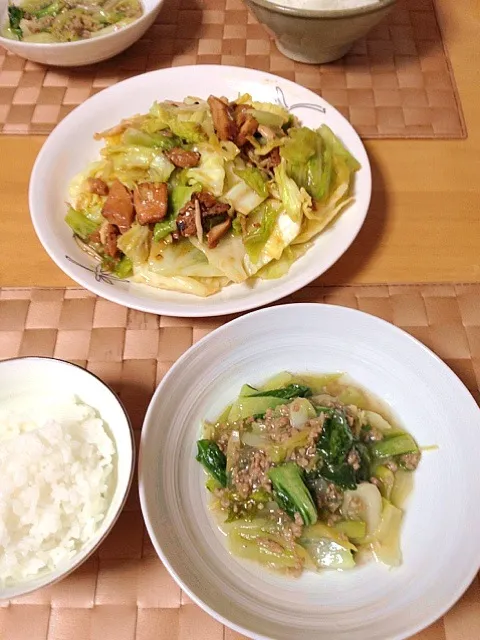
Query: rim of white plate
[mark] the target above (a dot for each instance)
(138, 296)
(200, 346)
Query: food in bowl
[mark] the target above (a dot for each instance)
(325, 5)
(58, 470)
(308, 473)
(46, 22)
(198, 194)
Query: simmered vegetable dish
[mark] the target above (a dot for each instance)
(47, 22)
(308, 473)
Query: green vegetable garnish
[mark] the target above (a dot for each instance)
(213, 460)
(291, 492)
(15, 14)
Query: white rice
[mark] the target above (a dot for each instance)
(57, 478)
(325, 5)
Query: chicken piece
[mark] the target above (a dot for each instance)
(210, 206)
(118, 207)
(108, 237)
(247, 127)
(217, 232)
(186, 225)
(183, 159)
(151, 201)
(97, 186)
(225, 127)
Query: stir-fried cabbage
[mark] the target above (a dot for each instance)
(261, 200)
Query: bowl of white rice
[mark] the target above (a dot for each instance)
(66, 462)
(318, 31)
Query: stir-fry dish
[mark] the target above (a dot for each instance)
(308, 473)
(46, 22)
(195, 195)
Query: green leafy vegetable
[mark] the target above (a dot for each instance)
(291, 493)
(213, 460)
(294, 199)
(80, 224)
(255, 180)
(363, 473)
(123, 268)
(289, 392)
(342, 475)
(15, 15)
(394, 446)
(141, 138)
(336, 438)
(135, 243)
(257, 236)
(163, 229)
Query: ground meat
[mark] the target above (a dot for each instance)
(393, 466)
(333, 498)
(250, 472)
(97, 186)
(225, 126)
(183, 159)
(217, 232)
(151, 202)
(410, 460)
(353, 459)
(354, 509)
(118, 207)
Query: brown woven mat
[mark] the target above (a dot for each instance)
(124, 592)
(397, 83)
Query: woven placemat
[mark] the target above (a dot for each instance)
(396, 83)
(124, 592)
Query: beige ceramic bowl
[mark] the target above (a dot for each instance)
(315, 36)
(82, 52)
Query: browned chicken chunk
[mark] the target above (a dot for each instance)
(97, 186)
(118, 207)
(151, 201)
(247, 127)
(108, 237)
(183, 159)
(217, 232)
(225, 126)
(209, 207)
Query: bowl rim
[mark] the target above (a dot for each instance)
(324, 14)
(195, 348)
(101, 539)
(63, 46)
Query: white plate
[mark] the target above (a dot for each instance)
(441, 531)
(71, 147)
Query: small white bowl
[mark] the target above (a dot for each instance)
(22, 377)
(441, 530)
(82, 52)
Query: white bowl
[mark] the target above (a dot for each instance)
(71, 147)
(441, 532)
(23, 377)
(82, 52)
